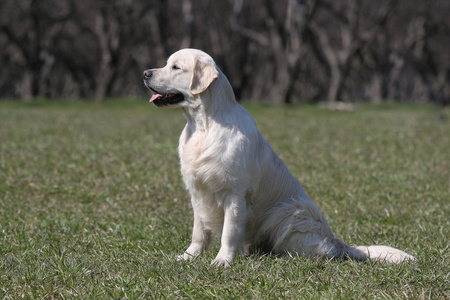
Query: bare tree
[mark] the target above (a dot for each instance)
(283, 38)
(29, 41)
(337, 48)
(279, 51)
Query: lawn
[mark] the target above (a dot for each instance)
(92, 204)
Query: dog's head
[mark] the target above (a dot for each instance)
(188, 73)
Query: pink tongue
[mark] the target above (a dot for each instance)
(154, 97)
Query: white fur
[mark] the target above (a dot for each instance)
(239, 186)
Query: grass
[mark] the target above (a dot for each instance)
(92, 204)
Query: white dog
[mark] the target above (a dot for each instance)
(238, 185)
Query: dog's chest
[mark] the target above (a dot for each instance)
(204, 165)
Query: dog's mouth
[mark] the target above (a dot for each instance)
(166, 99)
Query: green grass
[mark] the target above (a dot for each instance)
(92, 204)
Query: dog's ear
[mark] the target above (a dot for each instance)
(203, 75)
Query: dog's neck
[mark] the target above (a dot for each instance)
(197, 118)
(213, 107)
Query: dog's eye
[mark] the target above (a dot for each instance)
(175, 67)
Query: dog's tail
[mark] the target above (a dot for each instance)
(376, 253)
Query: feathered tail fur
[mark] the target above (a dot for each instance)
(380, 253)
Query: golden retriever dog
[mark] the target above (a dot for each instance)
(239, 187)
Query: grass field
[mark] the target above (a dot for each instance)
(92, 204)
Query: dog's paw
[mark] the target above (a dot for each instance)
(185, 256)
(193, 251)
(222, 261)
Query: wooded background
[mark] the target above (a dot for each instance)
(271, 50)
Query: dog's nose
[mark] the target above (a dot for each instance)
(148, 73)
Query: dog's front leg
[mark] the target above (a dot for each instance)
(233, 230)
(200, 239)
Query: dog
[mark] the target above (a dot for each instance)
(239, 187)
